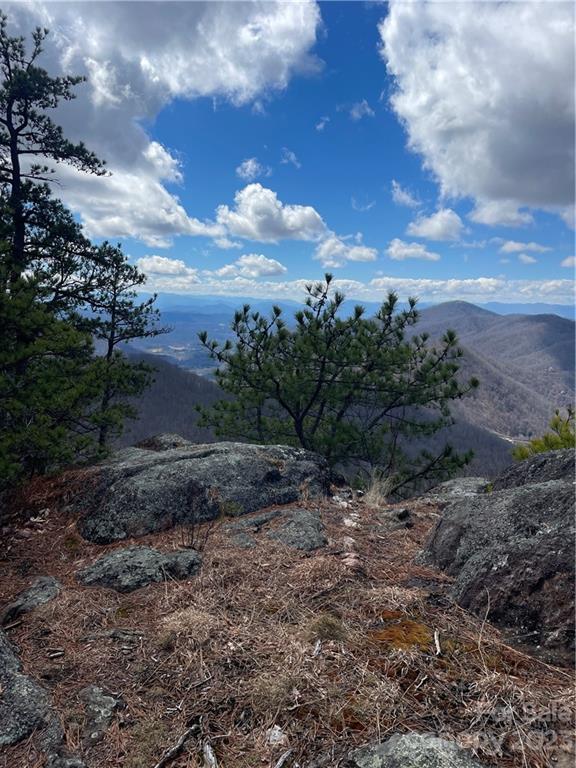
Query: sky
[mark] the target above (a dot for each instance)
(422, 147)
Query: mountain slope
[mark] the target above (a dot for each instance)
(525, 364)
(169, 404)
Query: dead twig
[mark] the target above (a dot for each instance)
(175, 751)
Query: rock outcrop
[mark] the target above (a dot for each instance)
(553, 465)
(242, 532)
(25, 709)
(100, 707)
(412, 750)
(301, 529)
(457, 488)
(511, 552)
(144, 490)
(24, 705)
(134, 567)
(41, 591)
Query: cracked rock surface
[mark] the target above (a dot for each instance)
(135, 567)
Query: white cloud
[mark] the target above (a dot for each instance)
(361, 109)
(445, 224)
(334, 252)
(289, 158)
(569, 261)
(225, 243)
(251, 169)
(251, 265)
(513, 246)
(161, 265)
(526, 258)
(166, 167)
(480, 289)
(398, 250)
(259, 215)
(568, 216)
(130, 205)
(497, 213)
(403, 196)
(137, 63)
(486, 93)
(322, 123)
(362, 207)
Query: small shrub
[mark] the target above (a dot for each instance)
(562, 435)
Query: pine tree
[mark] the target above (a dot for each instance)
(357, 390)
(562, 435)
(117, 319)
(54, 393)
(31, 144)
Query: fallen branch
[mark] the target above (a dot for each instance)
(437, 642)
(282, 759)
(173, 752)
(209, 756)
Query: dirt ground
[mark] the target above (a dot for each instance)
(335, 648)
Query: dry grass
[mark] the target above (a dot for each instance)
(333, 656)
(378, 490)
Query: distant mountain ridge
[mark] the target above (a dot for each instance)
(525, 364)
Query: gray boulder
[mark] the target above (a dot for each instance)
(457, 488)
(134, 567)
(24, 705)
(42, 590)
(25, 709)
(412, 750)
(241, 531)
(512, 553)
(143, 490)
(553, 465)
(301, 529)
(100, 708)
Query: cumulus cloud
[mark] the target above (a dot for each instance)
(497, 213)
(251, 169)
(445, 224)
(162, 265)
(251, 265)
(130, 204)
(480, 289)
(135, 65)
(569, 261)
(399, 250)
(259, 215)
(513, 246)
(402, 196)
(289, 158)
(334, 252)
(486, 94)
(322, 123)
(361, 109)
(525, 258)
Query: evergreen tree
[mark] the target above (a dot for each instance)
(30, 142)
(355, 389)
(118, 319)
(562, 435)
(54, 284)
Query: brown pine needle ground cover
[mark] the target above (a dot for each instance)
(337, 648)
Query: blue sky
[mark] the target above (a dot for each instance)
(426, 147)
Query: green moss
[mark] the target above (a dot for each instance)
(148, 742)
(231, 508)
